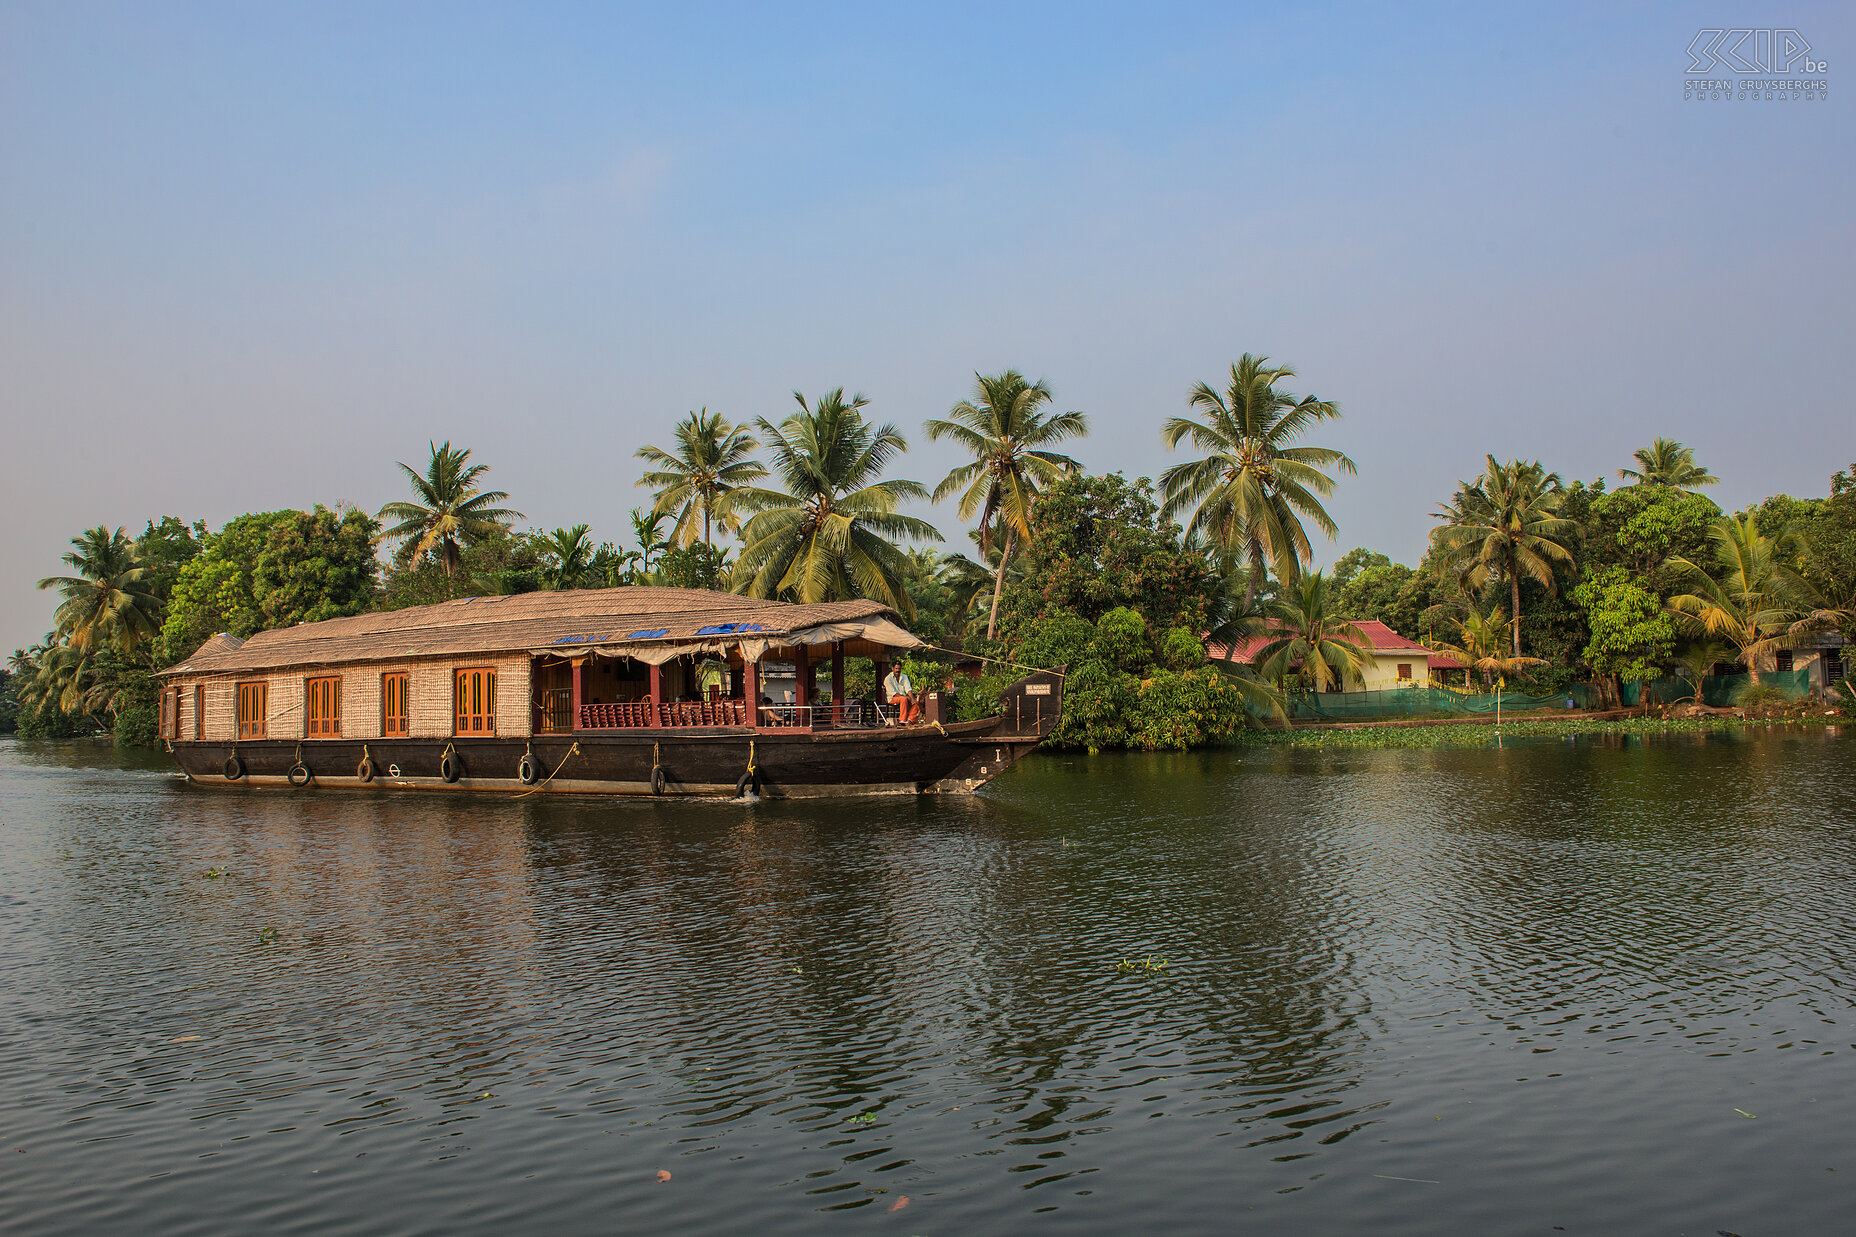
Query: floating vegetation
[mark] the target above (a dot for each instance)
(864, 1118)
(1150, 965)
(213, 874)
(267, 936)
(1474, 734)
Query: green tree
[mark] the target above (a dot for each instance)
(1632, 633)
(696, 479)
(1006, 430)
(450, 510)
(316, 565)
(647, 531)
(1641, 527)
(1309, 639)
(1253, 488)
(164, 547)
(825, 537)
(697, 565)
(1481, 647)
(214, 591)
(1667, 462)
(1099, 542)
(108, 602)
(570, 554)
(501, 564)
(1505, 526)
(1754, 599)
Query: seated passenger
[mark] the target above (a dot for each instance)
(900, 692)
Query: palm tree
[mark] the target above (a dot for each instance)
(645, 532)
(1253, 489)
(572, 551)
(450, 513)
(1006, 432)
(111, 599)
(1503, 526)
(1667, 462)
(1480, 646)
(1696, 662)
(1303, 632)
(1755, 599)
(709, 463)
(823, 538)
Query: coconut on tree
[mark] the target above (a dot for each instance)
(1008, 432)
(450, 511)
(1503, 526)
(1254, 487)
(826, 536)
(712, 459)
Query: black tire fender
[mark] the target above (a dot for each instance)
(234, 768)
(749, 783)
(365, 771)
(528, 770)
(657, 779)
(298, 776)
(451, 768)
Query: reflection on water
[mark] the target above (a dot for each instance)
(1599, 983)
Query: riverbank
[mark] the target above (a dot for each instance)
(1481, 734)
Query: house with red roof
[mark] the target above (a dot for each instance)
(1392, 660)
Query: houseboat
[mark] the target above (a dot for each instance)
(630, 691)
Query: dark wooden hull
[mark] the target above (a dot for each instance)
(958, 757)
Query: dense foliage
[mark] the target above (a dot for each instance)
(1528, 579)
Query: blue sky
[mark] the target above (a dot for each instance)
(250, 256)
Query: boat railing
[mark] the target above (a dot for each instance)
(645, 715)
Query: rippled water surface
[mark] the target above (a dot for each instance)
(1604, 985)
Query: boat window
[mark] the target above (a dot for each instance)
(393, 705)
(324, 708)
(476, 702)
(253, 703)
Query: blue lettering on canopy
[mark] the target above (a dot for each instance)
(729, 629)
(576, 639)
(649, 634)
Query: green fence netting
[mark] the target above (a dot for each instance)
(1717, 690)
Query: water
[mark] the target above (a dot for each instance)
(1603, 985)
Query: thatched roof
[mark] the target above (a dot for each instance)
(652, 623)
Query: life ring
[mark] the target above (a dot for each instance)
(528, 770)
(657, 779)
(234, 768)
(451, 768)
(298, 775)
(365, 770)
(749, 783)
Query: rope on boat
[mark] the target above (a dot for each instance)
(997, 661)
(571, 753)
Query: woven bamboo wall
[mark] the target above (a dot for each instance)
(429, 698)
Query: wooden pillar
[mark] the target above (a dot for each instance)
(837, 678)
(802, 676)
(882, 672)
(579, 693)
(750, 691)
(657, 695)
